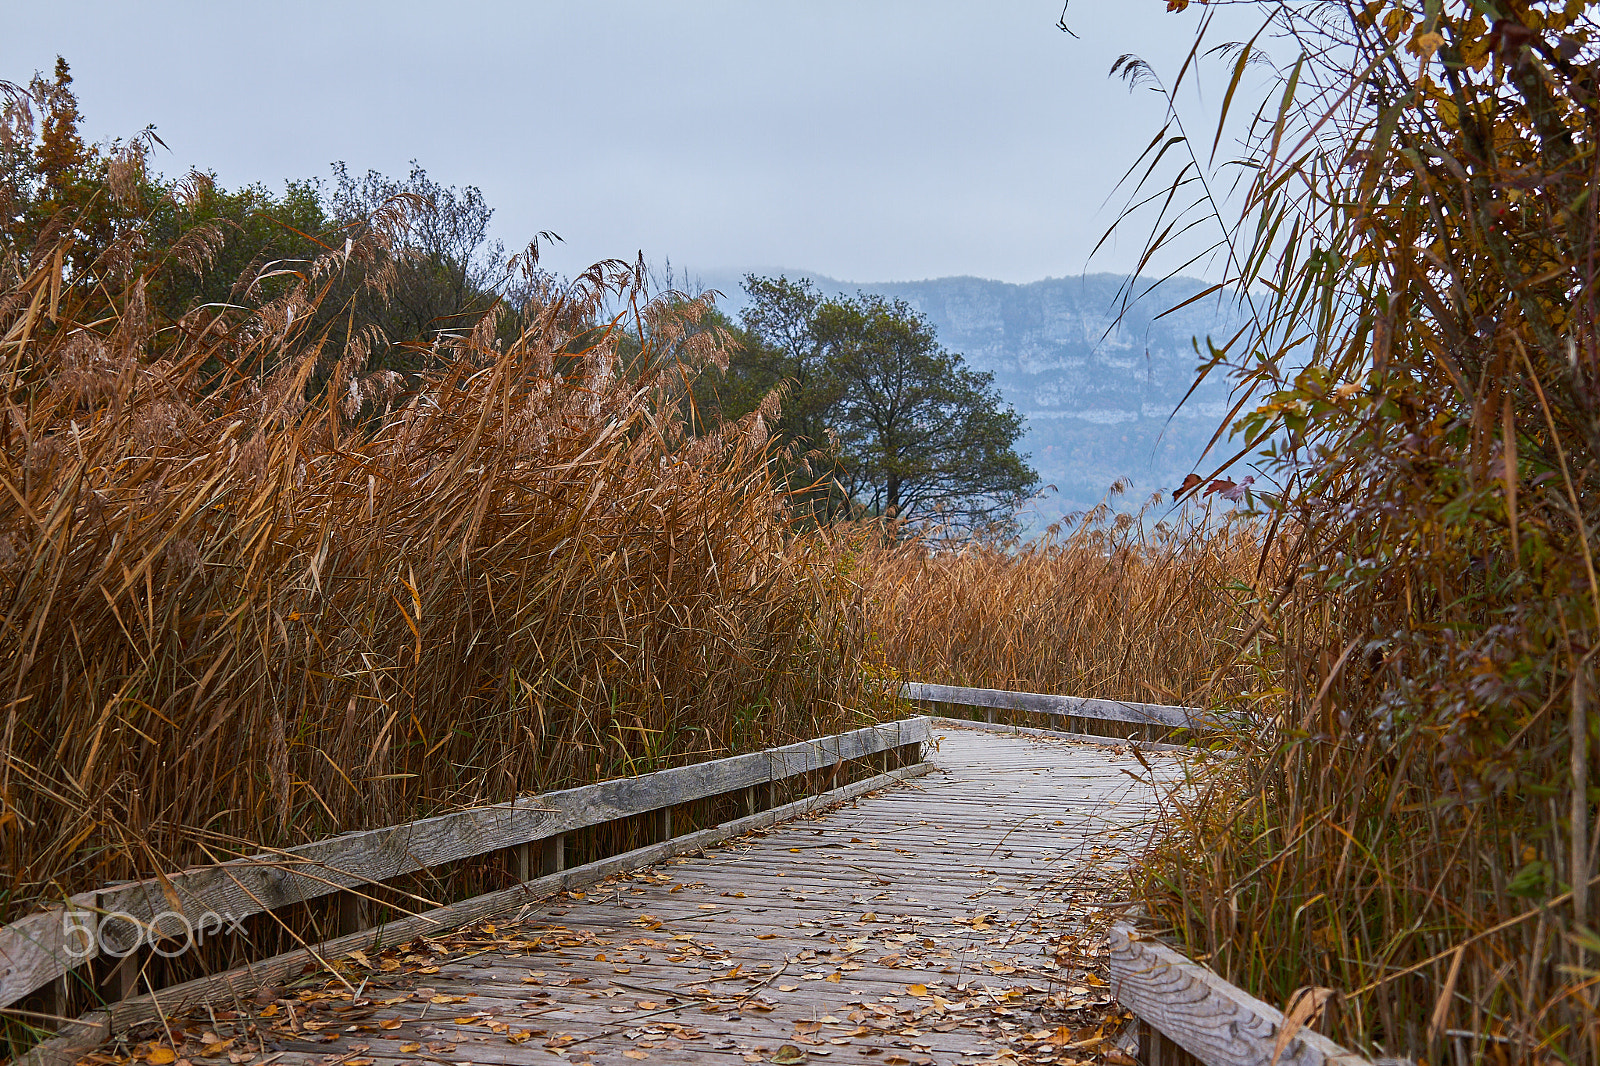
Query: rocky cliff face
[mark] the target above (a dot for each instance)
(1101, 395)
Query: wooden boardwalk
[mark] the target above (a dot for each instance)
(954, 918)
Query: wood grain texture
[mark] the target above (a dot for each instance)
(958, 884)
(1062, 706)
(91, 1030)
(41, 947)
(1216, 1022)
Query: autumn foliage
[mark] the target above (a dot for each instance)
(1420, 244)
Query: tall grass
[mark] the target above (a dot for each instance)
(254, 595)
(1416, 243)
(1149, 608)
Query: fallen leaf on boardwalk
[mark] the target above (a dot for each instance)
(160, 1056)
(708, 906)
(632, 1054)
(833, 978)
(917, 990)
(788, 988)
(807, 1027)
(390, 1023)
(648, 1004)
(357, 1062)
(409, 1047)
(1117, 1057)
(766, 936)
(788, 1055)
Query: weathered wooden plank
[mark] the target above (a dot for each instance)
(1081, 738)
(88, 1032)
(1218, 1023)
(1063, 706)
(41, 947)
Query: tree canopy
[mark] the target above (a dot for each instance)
(882, 420)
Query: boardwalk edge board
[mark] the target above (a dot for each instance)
(46, 945)
(83, 1035)
(1064, 706)
(1218, 1023)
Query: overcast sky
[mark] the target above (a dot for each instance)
(863, 139)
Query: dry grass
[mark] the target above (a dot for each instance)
(1149, 608)
(253, 596)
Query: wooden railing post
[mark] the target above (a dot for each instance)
(354, 913)
(552, 855)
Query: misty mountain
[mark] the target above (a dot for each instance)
(1101, 394)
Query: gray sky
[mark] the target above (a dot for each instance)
(869, 140)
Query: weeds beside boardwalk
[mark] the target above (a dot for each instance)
(254, 595)
(1151, 609)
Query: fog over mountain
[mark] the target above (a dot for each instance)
(1101, 395)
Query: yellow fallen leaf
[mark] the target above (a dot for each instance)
(410, 1046)
(390, 1023)
(917, 990)
(160, 1056)
(516, 1036)
(833, 978)
(633, 1053)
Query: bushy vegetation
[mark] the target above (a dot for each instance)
(1417, 833)
(258, 586)
(1149, 607)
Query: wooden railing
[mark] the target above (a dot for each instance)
(1144, 714)
(1188, 1010)
(49, 944)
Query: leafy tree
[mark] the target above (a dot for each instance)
(919, 435)
(447, 270)
(877, 417)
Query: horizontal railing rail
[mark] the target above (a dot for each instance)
(1146, 714)
(48, 944)
(1216, 1022)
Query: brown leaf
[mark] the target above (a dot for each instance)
(788, 1055)
(1305, 1008)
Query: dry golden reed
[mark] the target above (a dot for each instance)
(253, 594)
(1148, 608)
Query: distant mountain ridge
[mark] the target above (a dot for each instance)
(1100, 393)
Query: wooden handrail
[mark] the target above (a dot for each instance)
(1065, 706)
(46, 945)
(1213, 1020)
